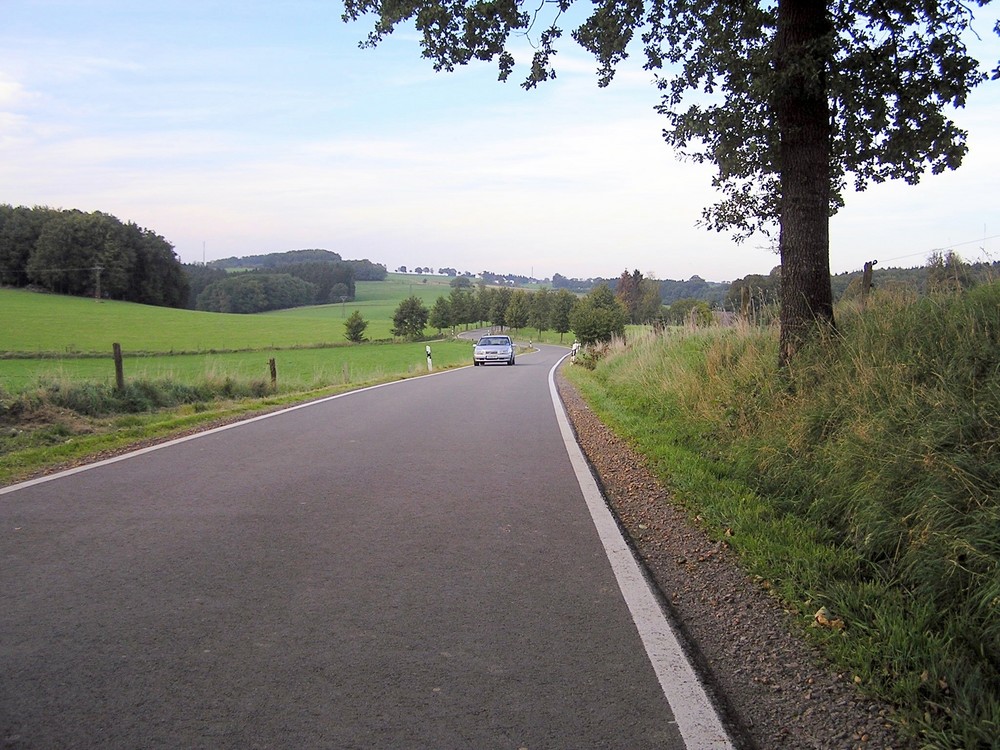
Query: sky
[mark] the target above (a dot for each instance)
(239, 128)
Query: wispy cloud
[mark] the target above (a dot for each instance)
(263, 127)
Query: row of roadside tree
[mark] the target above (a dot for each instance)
(599, 315)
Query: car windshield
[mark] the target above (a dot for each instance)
(497, 341)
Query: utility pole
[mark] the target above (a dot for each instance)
(97, 284)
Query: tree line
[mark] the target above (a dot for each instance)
(597, 316)
(363, 269)
(607, 307)
(278, 288)
(96, 254)
(276, 281)
(88, 254)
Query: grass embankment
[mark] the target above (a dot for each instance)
(182, 368)
(864, 479)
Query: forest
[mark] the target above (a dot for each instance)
(88, 254)
(97, 255)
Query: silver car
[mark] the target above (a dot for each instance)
(494, 349)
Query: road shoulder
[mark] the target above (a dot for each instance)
(778, 688)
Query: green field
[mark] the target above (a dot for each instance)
(58, 398)
(51, 338)
(298, 369)
(46, 323)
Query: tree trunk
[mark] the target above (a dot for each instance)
(802, 114)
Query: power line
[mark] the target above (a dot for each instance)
(933, 249)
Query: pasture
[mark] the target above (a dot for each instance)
(58, 325)
(298, 369)
(49, 339)
(59, 403)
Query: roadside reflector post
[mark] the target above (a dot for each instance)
(430, 364)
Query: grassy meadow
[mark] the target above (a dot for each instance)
(298, 369)
(863, 479)
(59, 325)
(58, 400)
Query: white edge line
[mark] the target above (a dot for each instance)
(204, 433)
(697, 720)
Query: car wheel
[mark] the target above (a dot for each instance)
(511, 363)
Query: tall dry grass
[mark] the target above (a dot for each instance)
(864, 478)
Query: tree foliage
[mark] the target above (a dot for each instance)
(947, 272)
(693, 312)
(252, 292)
(561, 308)
(599, 316)
(333, 281)
(518, 310)
(462, 307)
(354, 327)
(440, 315)
(72, 252)
(791, 100)
(627, 292)
(271, 261)
(752, 294)
(540, 315)
(639, 296)
(410, 318)
(199, 276)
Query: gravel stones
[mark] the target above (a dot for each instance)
(777, 689)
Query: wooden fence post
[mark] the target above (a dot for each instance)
(866, 281)
(119, 368)
(274, 372)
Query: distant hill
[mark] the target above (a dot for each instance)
(273, 260)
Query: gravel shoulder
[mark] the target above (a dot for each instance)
(775, 688)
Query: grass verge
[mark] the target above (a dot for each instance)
(865, 480)
(63, 423)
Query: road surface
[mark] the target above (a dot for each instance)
(410, 566)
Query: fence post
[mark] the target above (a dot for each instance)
(119, 368)
(274, 372)
(866, 281)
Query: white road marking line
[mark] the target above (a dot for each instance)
(699, 723)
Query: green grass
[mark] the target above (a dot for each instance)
(61, 442)
(57, 397)
(300, 369)
(864, 478)
(47, 323)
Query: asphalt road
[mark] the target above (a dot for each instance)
(411, 566)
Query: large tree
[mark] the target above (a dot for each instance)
(599, 316)
(562, 304)
(788, 98)
(410, 318)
